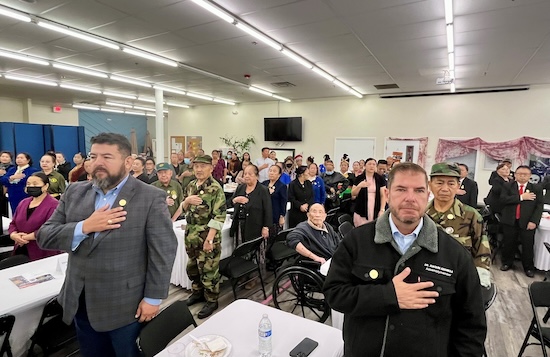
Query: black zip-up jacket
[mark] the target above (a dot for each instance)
(359, 284)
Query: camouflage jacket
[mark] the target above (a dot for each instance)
(211, 213)
(465, 224)
(173, 190)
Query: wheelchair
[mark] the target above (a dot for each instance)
(298, 289)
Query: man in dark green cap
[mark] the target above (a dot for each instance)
(174, 193)
(462, 222)
(204, 206)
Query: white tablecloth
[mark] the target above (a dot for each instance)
(5, 224)
(238, 323)
(179, 274)
(27, 304)
(542, 256)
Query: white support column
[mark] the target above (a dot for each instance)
(159, 125)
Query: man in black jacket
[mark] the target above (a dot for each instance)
(406, 287)
(468, 191)
(522, 209)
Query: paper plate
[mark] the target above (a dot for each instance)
(195, 350)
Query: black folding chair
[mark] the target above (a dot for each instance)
(52, 334)
(345, 228)
(241, 263)
(6, 325)
(14, 260)
(539, 294)
(345, 218)
(157, 333)
(489, 295)
(279, 251)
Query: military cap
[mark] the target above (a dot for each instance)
(163, 166)
(445, 169)
(203, 159)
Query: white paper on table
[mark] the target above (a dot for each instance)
(62, 264)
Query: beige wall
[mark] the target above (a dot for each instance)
(23, 111)
(491, 116)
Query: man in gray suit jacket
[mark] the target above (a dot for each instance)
(121, 247)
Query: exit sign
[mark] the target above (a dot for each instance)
(56, 109)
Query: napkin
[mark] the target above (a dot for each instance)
(215, 345)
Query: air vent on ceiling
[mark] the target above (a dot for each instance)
(283, 84)
(386, 86)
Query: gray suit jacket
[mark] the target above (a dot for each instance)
(118, 267)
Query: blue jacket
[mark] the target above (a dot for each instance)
(319, 193)
(279, 198)
(16, 191)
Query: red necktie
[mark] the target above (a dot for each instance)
(517, 208)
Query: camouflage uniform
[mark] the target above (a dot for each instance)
(203, 267)
(57, 184)
(173, 190)
(464, 224)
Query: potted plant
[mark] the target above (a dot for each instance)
(238, 145)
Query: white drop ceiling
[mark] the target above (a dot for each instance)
(361, 42)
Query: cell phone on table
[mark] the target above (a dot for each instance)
(304, 348)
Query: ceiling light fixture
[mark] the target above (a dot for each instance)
(150, 56)
(172, 104)
(281, 98)
(78, 34)
(223, 101)
(143, 108)
(296, 58)
(260, 36)
(111, 110)
(82, 106)
(200, 96)
(130, 81)
(133, 113)
(449, 18)
(341, 85)
(120, 95)
(25, 58)
(261, 91)
(215, 10)
(14, 14)
(80, 70)
(30, 80)
(356, 93)
(79, 88)
(450, 38)
(114, 104)
(323, 74)
(145, 99)
(170, 90)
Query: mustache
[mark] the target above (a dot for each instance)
(99, 169)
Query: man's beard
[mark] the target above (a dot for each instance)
(109, 181)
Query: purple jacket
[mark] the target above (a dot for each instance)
(41, 214)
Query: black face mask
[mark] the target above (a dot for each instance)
(289, 165)
(34, 191)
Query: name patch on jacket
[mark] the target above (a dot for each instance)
(438, 269)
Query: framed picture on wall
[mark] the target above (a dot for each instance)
(177, 144)
(469, 160)
(194, 143)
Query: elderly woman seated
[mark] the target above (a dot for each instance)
(314, 239)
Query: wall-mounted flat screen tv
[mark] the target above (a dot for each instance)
(283, 129)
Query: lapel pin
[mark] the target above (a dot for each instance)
(373, 274)
(174, 196)
(450, 216)
(122, 202)
(449, 230)
(527, 191)
(201, 192)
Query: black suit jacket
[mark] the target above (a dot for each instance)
(530, 211)
(470, 197)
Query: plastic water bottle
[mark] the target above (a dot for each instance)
(264, 334)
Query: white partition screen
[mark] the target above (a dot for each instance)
(356, 148)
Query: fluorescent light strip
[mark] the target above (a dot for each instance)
(148, 100)
(111, 110)
(449, 18)
(89, 107)
(114, 104)
(79, 88)
(216, 11)
(281, 98)
(450, 39)
(172, 104)
(133, 113)
(80, 70)
(453, 88)
(223, 101)
(120, 95)
(130, 81)
(170, 90)
(78, 34)
(323, 74)
(341, 85)
(151, 57)
(260, 36)
(297, 58)
(355, 93)
(451, 61)
(25, 58)
(137, 107)
(200, 96)
(261, 91)
(15, 15)
(30, 80)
